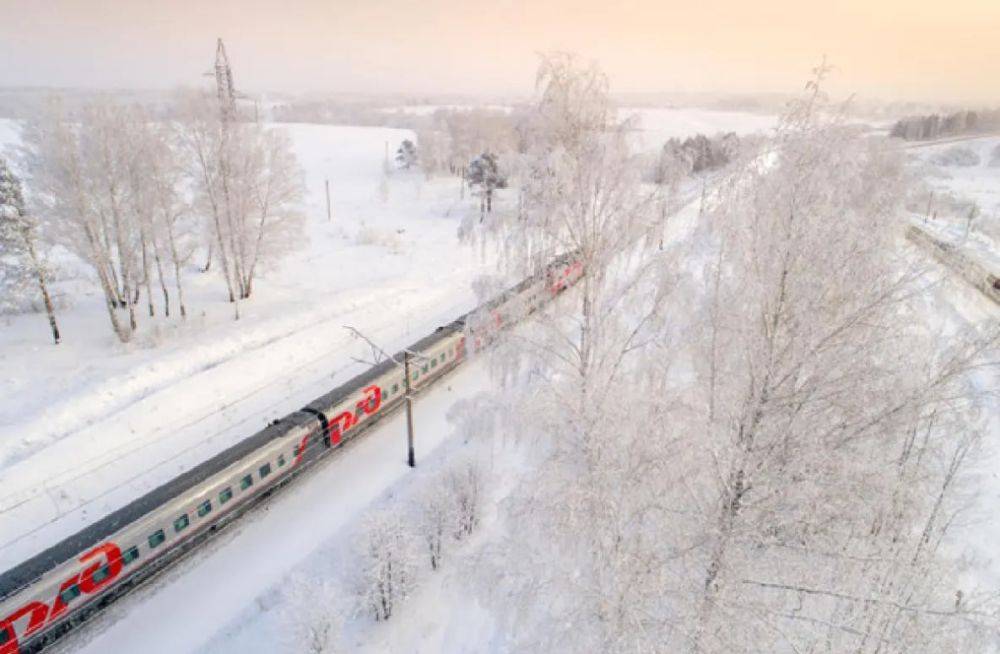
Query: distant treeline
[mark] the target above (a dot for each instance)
(933, 126)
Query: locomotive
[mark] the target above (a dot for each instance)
(47, 595)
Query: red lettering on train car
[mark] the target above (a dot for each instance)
(345, 421)
(60, 605)
(371, 403)
(37, 613)
(339, 425)
(92, 579)
(300, 451)
(110, 566)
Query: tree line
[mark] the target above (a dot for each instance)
(934, 126)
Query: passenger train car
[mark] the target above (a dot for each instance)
(45, 596)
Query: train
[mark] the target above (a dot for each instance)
(47, 595)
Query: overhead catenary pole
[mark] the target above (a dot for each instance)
(378, 353)
(410, 458)
(329, 214)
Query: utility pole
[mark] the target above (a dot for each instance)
(378, 352)
(329, 214)
(410, 459)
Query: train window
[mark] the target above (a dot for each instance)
(5, 634)
(265, 470)
(157, 538)
(423, 369)
(281, 460)
(181, 523)
(101, 574)
(204, 508)
(246, 482)
(225, 495)
(129, 555)
(70, 594)
(434, 363)
(442, 357)
(395, 388)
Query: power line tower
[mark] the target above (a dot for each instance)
(224, 84)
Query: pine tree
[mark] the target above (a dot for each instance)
(406, 155)
(484, 173)
(17, 235)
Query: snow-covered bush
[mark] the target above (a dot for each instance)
(388, 563)
(465, 485)
(435, 510)
(995, 156)
(312, 616)
(957, 155)
(387, 238)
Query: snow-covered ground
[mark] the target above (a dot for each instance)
(956, 187)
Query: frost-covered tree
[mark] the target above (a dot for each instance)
(406, 155)
(465, 482)
(79, 173)
(435, 150)
(815, 377)
(248, 184)
(565, 577)
(312, 616)
(21, 267)
(388, 563)
(435, 509)
(172, 227)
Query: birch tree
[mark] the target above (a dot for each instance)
(566, 578)
(249, 185)
(21, 262)
(388, 569)
(312, 616)
(77, 173)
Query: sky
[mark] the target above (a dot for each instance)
(887, 49)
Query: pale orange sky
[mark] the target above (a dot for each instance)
(893, 49)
